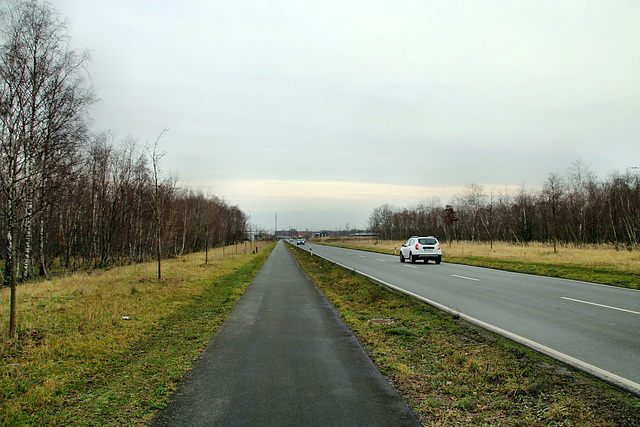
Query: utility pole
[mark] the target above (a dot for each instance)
(276, 230)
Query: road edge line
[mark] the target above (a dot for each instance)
(594, 371)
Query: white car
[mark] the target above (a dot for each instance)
(426, 248)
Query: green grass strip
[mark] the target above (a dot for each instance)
(603, 275)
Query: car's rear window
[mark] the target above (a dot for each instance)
(427, 241)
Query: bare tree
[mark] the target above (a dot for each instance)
(488, 223)
(157, 201)
(553, 189)
(580, 178)
(43, 113)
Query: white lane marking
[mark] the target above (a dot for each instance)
(361, 256)
(466, 278)
(601, 305)
(411, 266)
(381, 260)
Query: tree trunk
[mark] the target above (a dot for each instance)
(206, 240)
(184, 232)
(9, 261)
(159, 251)
(26, 267)
(12, 254)
(43, 265)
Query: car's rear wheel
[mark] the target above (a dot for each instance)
(413, 259)
(438, 260)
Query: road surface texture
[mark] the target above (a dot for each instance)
(284, 358)
(593, 327)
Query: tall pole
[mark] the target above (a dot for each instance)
(276, 230)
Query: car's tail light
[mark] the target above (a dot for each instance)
(438, 245)
(417, 246)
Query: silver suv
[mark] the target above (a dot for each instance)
(426, 248)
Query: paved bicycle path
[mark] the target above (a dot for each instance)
(284, 358)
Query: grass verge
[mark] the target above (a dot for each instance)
(605, 275)
(454, 374)
(108, 348)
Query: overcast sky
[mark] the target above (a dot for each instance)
(321, 111)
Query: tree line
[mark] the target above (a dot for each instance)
(578, 208)
(106, 214)
(73, 197)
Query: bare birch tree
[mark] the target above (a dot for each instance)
(158, 200)
(44, 100)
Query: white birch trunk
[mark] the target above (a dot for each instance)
(43, 265)
(26, 267)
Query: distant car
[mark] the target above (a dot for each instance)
(301, 242)
(426, 248)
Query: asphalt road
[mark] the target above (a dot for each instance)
(593, 327)
(284, 358)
